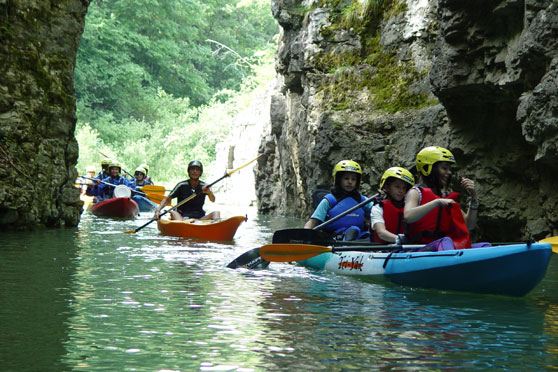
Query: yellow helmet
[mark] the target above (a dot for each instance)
(105, 162)
(141, 170)
(399, 173)
(346, 166)
(90, 169)
(428, 156)
(115, 164)
(144, 166)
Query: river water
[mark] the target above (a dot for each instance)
(95, 299)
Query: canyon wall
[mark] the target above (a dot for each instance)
(377, 84)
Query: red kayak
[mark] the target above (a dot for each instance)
(116, 207)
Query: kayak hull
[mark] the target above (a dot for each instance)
(202, 229)
(144, 204)
(511, 270)
(116, 208)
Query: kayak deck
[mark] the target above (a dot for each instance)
(116, 208)
(512, 270)
(203, 229)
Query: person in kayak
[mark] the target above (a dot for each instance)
(185, 189)
(105, 191)
(140, 178)
(103, 173)
(343, 195)
(431, 209)
(386, 217)
(147, 178)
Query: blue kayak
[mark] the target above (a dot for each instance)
(144, 204)
(511, 270)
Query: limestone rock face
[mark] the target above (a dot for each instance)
(488, 70)
(38, 150)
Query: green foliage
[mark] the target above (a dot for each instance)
(157, 82)
(371, 68)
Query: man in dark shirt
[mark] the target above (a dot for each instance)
(185, 189)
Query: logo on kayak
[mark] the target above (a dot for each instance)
(351, 263)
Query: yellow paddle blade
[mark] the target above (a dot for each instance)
(291, 252)
(553, 241)
(153, 189)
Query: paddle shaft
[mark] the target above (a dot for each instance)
(359, 205)
(110, 184)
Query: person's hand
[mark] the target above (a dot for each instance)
(400, 239)
(469, 186)
(206, 190)
(444, 202)
(156, 215)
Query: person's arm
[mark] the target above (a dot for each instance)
(160, 207)
(383, 233)
(209, 194)
(319, 215)
(414, 212)
(472, 211)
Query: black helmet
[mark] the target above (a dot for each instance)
(195, 163)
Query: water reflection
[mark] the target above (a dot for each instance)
(97, 299)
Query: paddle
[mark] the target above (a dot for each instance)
(302, 236)
(154, 188)
(250, 260)
(299, 252)
(553, 241)
(227, 174)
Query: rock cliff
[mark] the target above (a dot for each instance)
(375, 81)
(38, 150)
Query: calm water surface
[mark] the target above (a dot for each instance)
(95, 299)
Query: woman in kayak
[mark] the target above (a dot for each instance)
(387, 213)
(344, 195)
(431, 209)
(185, 189)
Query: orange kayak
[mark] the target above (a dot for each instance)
(203, 229)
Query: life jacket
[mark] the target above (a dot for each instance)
(393, 218)
(355, 218)
(440, 222)
(106, 192)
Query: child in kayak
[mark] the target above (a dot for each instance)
(431, 210)
(140, 179)
(386, 218)
(185, 189)
(344, 195)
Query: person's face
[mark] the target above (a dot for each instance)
(348, 181)
(444, 172)
(194, 172)
(139, 176)
(396, 189)
(114, 171)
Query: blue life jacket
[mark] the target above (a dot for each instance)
(355, 218)
(105, 191)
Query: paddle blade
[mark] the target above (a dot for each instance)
(302, 236)
(553, 241)
(291, 252)
(154, 189)
(249, 260)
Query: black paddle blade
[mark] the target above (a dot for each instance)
(302, 236)
(249, 260)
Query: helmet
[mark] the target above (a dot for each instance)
(346, 166)
(115, 164)
(144, 166)
(195, 163)
(90, 169)
(141, 170)
(428, 156)
(399, 173)
(105, 162)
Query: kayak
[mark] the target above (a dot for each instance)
(144, 204)
(116, 207)
(511, 270)
(203, 229)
